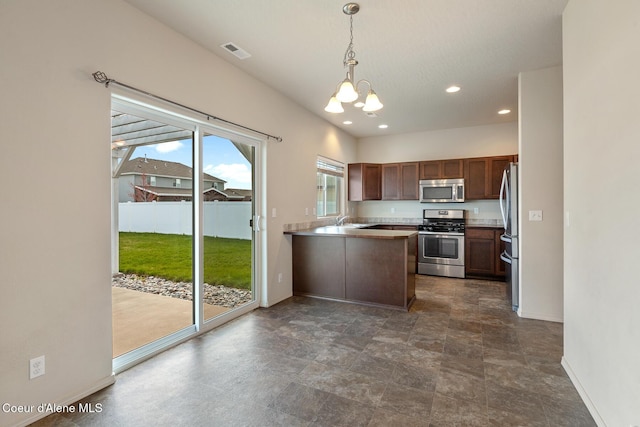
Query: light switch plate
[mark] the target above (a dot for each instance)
(535, 215)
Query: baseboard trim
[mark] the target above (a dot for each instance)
(582, 392)
(105, 382)
(539, 316)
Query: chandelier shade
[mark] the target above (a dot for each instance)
(334, 106)
(347, 93)
(348, 90)
(372, 103)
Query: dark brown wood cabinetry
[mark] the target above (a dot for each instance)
(442, 169)
(483, 176)
(391, 181)
(400, 181)
(373, 269)
(482, 253)
(364, 181)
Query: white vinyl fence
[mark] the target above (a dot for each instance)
(221, 219)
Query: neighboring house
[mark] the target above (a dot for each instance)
(147, 180)
(244, 195)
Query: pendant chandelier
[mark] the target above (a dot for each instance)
(347, 90)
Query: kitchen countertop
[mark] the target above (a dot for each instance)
(484, 223)
(355, 232)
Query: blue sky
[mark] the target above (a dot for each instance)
(220, 158)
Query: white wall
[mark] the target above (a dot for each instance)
(540, 188)
(55, 237)
(475, 141)
(601, 200)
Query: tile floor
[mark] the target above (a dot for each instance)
(460, 357)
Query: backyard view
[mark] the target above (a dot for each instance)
(227, 262)
(165, 279)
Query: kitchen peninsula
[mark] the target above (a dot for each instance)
(355, 264)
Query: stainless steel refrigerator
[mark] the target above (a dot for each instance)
(509, 211)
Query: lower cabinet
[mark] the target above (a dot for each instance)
(482, 253)
(373, 271)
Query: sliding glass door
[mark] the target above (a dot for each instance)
(184, 247)
(228, 211)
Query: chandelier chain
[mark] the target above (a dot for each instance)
(350, 54)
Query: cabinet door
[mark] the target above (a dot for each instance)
(452, 169)
(391, 181)
(364, 181)
(372, 175)
(409, 181)
(430, 170)
(475, 178)
(480, 248)
(483, 176)
(496, 167)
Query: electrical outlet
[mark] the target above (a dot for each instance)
(306, 211)
(393, 210)
(36, 367)
(475, 210)
(273, 212)
(279, 277)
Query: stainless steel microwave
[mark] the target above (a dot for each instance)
(442, 190)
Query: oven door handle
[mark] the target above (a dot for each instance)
(440, 235)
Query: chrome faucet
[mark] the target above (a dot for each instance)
(341, 219)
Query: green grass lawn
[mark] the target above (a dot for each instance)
(226, 261)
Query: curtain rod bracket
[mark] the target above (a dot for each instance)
(101, 77)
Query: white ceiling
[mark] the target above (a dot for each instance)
(410, 50)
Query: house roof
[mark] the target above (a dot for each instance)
(184, 192)
(163, 168)
(238, 192)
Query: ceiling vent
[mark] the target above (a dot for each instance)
(234, 49)
(371, 114)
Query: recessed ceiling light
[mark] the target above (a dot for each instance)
(505, 111)
(383, 126)
(453, 89)
(359, 104)
(347, 122)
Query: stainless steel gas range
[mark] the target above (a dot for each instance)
(441, 243)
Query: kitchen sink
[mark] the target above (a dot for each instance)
(338, 228)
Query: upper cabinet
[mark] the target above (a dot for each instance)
(400, 181)
(442, 169)
(364, 181)
(483, 176)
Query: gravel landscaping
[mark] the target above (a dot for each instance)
(215, 295)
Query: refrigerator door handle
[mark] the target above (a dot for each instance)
(505, 257)
(502, 198)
